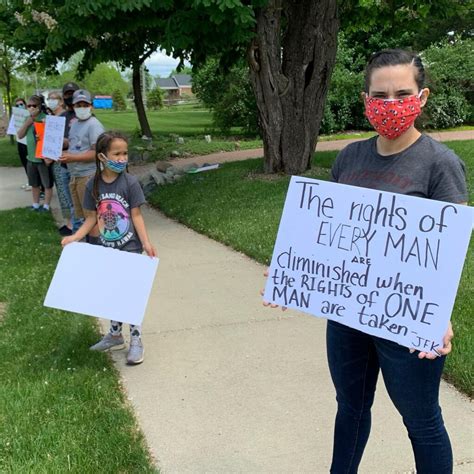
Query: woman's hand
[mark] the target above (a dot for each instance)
(266, 303)
(445, 350)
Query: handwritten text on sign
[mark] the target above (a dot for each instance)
(53, 137)
(386, 264)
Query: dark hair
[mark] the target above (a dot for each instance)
(39, 99)
(20, 99)
(395, 57)
(103, 146)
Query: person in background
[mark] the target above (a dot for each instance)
(21, 147)
(56, 107)
(68, 90)
(38, 171)
(80, 154)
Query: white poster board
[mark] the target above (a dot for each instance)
(386, 264)
(53, 137)
(17, 120)
(102, 282)
(11, 130)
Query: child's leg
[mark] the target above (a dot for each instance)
(113, 340)
(136, 351)
(116, 328)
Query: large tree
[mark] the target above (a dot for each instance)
(290, 74)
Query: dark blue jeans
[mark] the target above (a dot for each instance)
(412, 384)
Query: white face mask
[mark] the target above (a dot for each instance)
(53, 104)
(83, 113)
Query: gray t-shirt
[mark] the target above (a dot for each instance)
(83, 135)
(113, 206)
(426, 169)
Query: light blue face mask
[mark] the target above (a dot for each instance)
(116, 166)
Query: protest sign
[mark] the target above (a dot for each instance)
(386, 264)
(39, 131)
(11, 130)
(19, 116)
(53, 137)
(102, 282)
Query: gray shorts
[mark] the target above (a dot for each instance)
(38, 174)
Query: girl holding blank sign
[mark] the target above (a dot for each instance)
(112, 202)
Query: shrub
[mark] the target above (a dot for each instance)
(450, 66)
(118, 100)
(344, 109)
(447, 108)
(229, 95)
(155, 99)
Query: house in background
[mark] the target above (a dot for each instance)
(175, 87)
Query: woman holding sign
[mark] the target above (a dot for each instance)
(37, 170)
(400, 160)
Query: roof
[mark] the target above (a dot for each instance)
(183, 79)
(174, 82)
(166, 83)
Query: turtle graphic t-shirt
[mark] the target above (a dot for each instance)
(114, 205)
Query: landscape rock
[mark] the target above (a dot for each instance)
(158, 178)
(162, 166)
(175, 154)
(148, 184)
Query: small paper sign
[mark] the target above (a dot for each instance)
(19, 116)
(383, 263)
(11, 130)
(102, 282)
(53, 137)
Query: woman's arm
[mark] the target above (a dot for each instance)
(21, 133)
(139, 223)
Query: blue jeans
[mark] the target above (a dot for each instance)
(412, 384)
(66, 178)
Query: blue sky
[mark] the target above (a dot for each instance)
(160, 63)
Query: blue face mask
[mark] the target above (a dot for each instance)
(116, 166)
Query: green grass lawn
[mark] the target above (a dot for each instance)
(183, 121)
(241, 207)
(62, 408)
(8, 153)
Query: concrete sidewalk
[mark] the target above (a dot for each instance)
(230, 386)
(239, 155)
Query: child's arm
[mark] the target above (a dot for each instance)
(139, 223)
(84, 157)
(89, 224)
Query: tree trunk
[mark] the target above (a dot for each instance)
(138, 100)
(290, 69)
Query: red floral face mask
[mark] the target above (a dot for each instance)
(392, 117)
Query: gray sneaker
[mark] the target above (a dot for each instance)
(136, 351)
(109, 342)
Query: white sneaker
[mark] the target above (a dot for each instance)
(136, 351)
(109, 342)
